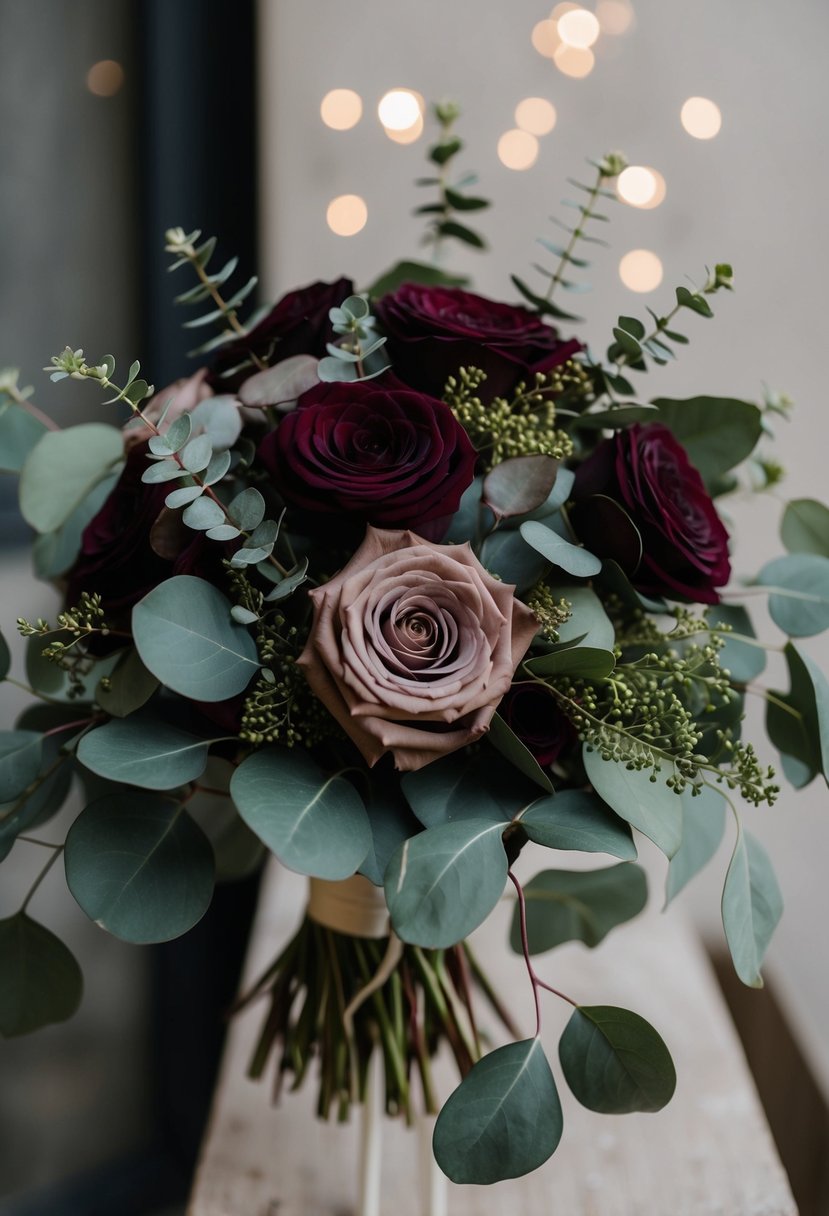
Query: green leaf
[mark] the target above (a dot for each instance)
(799, 593)
(575, 819)
(5, 658)
(579, 905)
(461, 233)
(798, 721)
(445, 150)
(615, 1062)
(647, 805)
(506, 554)
(504, 1119)
(128, 687)
(203, 514)
(40, 980)
(47, 797)
(237, 851)
(467, 785)
(186, 637)
(465, 202)
(751, 907)
(414, 272)
(588, 621)
(559, 552)
(317, 824)
(717, 432)
(54, 552)
(616, 419)
(694, 301)
(628, 344)
(519, 485)
(20, 756)
(62, 468)
(703, 827)
(744, 661)
(392, 823)
(288, 585)
(221, 420)
(196, 454)
(543, 307)
(19, 433)
(584, 662)
(145, 751)
(614, 579)
(184, 496)
(504, 740)
(441, 884)
(139, 866)
(632, 326)
(247, 509)
(805, 527)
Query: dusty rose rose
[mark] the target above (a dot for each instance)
(184, 395)
(412, 647)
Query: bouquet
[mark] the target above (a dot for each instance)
(402, 583)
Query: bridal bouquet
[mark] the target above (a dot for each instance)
(402, 583)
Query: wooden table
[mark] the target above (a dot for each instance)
(709, 1153)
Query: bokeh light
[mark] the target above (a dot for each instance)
(536, 115)
(578, 28)
(573, 61)
(640, 270)
(341, 109)
(409, 134)
(701, 117)
(615, 16)
(545, 38)
(517, 149)
(105, 78)
(641, 186)
(346, 214)
(399, 109)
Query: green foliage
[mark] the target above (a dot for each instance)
(615, 1062)
(63, 468)
(451, 198)
(520, 485)
(467, 785)
(40, 980)
(186, 250)
(20, 431)
(798, 593)
(559, 552)
(54, 552)
(609, 167)
(751, 907)
(703, 827)
(314, 823)
(5, 658)
(144, 750)
(743, 660)
(73, 363)
(504, 1119)
(716, 432)
(128, 686)
(40, 800)
(805, 527)
(578, 662)
(579, 905)
(443, 883)
(139, 866)
(20, 756)
(506, 555)
(575, 819)
(392, 823)
(359, 354)
(413, 272)
(646, 804)
(588, 622)
(798, 721)
(186, 638)
(237, 851)
(504, 740)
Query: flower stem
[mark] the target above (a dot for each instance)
(58, 849)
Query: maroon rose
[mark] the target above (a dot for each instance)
(683, 550)
(375, 452)
(433, 331)
(297, 325)
(531, 712)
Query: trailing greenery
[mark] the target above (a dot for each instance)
(452, 199)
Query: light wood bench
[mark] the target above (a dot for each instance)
(709, 1153)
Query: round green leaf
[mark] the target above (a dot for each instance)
(19, 432)
(505, 554)
(751, 907)
(520, 485)
(798, 593)
(579, 905)
(647, 805)
(504, 740)
(237, 851)
(560, 552)
(703, 827)
(40, 980)
(444, 882)
(717, 432)
(742, 659)
(589, 622)
(798, 721)
(186, 637)
(20, 756)
(40, 804)
(129, 686)
(466, 785)
(140, 867)
(62, 468)
(574, 819)
(504, 1119)
(805, 527)
(145, 751)
(615, 1062)
(314, 823)
(580, 662)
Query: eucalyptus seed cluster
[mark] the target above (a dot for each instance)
(551, 612)
(639, 628)
(71, 657)
(755, 783)
(523, 426)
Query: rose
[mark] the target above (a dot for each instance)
(180, 397)
(531, 713)
(412, 646)
(683, 550)
(298, 324)
(374, 450)
(433, 331)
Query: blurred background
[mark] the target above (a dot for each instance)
(294, 130)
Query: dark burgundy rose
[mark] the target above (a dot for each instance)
(375, 451)
(684, 546)
(116, 557)
(433, 331)
(531, 712)
(297, 325)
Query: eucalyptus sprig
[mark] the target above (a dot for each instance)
(609, 167)
(359, 355)
(451, 198)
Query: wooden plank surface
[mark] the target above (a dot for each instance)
(709, 1153)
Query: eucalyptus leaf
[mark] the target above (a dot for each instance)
(40, 980)
(506, 555)
(139, 866)
(589, 622)
(392, 823)
(20, 756)
(504, 1119)
(54, 552)
(467, 785)
(184, 496)
(220, 419)
(579, 905)
(315, 823)
(5, 658)
(520, 485)
(742, 659)
(798, 721)
(584, 662)
(128, 686)
(717, 432)
(559, 552)
(703, 827)
(196, 454)
(186, 637)
(798, 593)
(280, 385)
(62, 468)
(19, 433)
(615, 1062)
(576, 819)
(504, 740)
(144, 750)
(751, 907)
(805, 527)
(203, 514)
(247, 509)
(648, 805)
(441, 884)
(414, 272)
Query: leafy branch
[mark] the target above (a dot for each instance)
(607, 168)
(9, 387)
(357, 356)
(450, 199)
